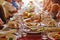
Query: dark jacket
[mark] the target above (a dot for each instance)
(2, 14)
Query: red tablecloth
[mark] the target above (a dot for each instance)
(31, 37)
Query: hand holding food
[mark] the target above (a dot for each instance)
(1, 22)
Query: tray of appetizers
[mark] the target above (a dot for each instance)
(7, 33)
(34, 30)
(8, 37)
(54, 35)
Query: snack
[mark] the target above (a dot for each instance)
(52, 29)
(10, 37)
(27, 14)
(54, 36)
(12, 24)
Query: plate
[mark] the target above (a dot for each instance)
(8, 31)
(49, 35)
(32, 32)
(54, 34)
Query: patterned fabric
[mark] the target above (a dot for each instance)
(8, 8)
(14, 4)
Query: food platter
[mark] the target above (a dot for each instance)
(6, 34)
(34, 30)
(3, 32)
(49, 35)
(54, 36)
(31, 32)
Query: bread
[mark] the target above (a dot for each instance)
(13, 24)
(52, 29)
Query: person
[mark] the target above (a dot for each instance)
(58, 15)
(2, 19)
(2, 16)
(9, 8)
(19, 3)
(55, 7)
(1, 22)
(14, 4)
(31, 6)
(47, 4)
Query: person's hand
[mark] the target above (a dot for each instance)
(1, 22)
(58, 15)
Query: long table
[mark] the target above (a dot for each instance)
(32, 37)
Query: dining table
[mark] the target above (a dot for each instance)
(33, 37)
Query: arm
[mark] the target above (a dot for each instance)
(47, 5)
(58, 15)
(1, 22)
(10, 8)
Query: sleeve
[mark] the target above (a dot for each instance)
(58, 15)
(10, 8)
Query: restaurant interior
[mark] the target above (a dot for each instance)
(29, 19)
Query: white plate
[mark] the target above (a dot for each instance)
(50, 36)
(33, 32)
(28, 31)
